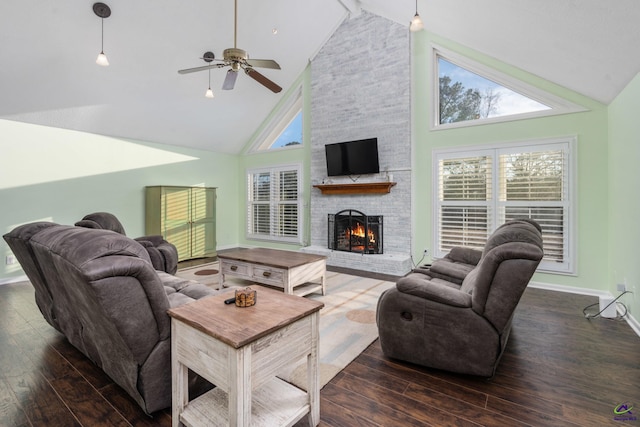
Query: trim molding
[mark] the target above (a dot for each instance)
(22, 278)
(631, 321)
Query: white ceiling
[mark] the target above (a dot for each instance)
(48, 75)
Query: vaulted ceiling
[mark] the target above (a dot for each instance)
(48, 74)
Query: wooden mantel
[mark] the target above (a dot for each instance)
(356, 188)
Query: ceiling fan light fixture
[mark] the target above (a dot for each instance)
(209, 92)
(416, 22)
(102, 60)
(102, 11)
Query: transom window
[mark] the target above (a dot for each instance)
(468, 96)
(477, 191)
(469, 93)
(274, 205)
(285, 128)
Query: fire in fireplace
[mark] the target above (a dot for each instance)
(353, 231)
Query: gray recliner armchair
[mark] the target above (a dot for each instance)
(431, 320)
(163, 255)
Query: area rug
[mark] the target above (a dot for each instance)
(347, 320)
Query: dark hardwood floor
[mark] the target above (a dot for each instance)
(559, 369)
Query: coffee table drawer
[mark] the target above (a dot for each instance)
(268, 275)
(236, 268)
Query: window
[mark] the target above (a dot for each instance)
(285, 128)
(478, 190)
(467, 96)
(470, 93)
(274, 205)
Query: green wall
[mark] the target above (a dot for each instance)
(50, 174)
(624, 196)
(590, 127)
(281, 156)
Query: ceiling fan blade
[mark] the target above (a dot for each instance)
(263, 63)
(230, 80)
(262, 80)
(203, 68)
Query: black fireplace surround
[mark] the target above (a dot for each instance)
(352, 231)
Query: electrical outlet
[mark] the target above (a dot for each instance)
(10, 259)
(622, 287)
(426, 251)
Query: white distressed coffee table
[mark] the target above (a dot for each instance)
(241, 350)
(295, 272)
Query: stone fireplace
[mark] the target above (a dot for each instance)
(345, 108)
(352, 231)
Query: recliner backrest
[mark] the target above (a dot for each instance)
(116, 300)
(18, 240)
(103, 221)
(509, 260)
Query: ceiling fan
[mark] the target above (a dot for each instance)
(238, 59)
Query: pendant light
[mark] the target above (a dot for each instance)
(209, 92)
(416, 22)
(103, 11)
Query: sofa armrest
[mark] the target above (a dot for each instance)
(434, 291)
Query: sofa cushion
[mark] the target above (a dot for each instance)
(190, 288)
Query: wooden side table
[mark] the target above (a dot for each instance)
(241, 350)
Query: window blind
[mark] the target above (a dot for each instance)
(273, 205)
(480, 190)
(464, 196)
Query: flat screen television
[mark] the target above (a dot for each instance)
(358, 157)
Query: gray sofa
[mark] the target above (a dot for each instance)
(163, 255)
(435, 320)
(101, 291)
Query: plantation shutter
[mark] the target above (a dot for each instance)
(273, 206)
(464, 211)
(261, 191)
(287, 218)
(480, 190)
(535, 186)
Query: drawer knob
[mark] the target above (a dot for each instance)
(266, 273)
(234, 267)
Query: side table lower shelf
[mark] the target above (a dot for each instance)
(276, 403)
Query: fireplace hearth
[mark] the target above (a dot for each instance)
(352, 231)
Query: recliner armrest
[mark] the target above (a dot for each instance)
(464, 255)
(434, 291)
(155, 240)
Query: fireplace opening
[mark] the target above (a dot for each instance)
(353, 231)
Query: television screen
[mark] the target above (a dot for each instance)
(352, 157)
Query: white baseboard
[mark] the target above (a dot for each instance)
(632, 321)
(569, 289)
(13, 280)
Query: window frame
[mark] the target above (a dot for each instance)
(278, 123)
(556, 104)
(567, 144)
(274, 203)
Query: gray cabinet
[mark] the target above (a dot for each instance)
(184, 216)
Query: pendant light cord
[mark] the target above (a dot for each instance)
(102, 45)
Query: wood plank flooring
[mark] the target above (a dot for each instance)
(559, 369)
